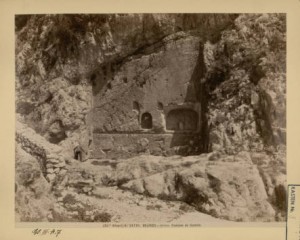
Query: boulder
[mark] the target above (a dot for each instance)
(227, 187)
(33, 194)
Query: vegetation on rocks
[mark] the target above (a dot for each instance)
(246, 84)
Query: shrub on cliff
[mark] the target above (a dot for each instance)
(247, 68)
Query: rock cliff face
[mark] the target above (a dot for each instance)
(246, 81)
(58, 57)
(207, 82)
(141, 98)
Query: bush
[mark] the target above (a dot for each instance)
(69, 199)
(102, 217)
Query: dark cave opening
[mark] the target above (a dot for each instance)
(146, 121)
(182, 120)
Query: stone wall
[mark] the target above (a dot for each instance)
(130, 144)
(49, 156)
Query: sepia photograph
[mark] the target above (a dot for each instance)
(157, 118)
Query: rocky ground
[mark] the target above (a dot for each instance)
(82, 199)
(242, 187)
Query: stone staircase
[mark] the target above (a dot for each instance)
(49, 156)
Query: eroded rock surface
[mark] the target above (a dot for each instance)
(229, 187)
(33, 198)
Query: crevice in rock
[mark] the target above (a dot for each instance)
(200, 87)
(264, 118)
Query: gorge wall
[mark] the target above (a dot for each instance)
(71, 69)
(79, 76)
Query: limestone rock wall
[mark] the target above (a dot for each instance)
(159, 75)
(244, 85)
(147, 83)
(245, 82)
(57, 57)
